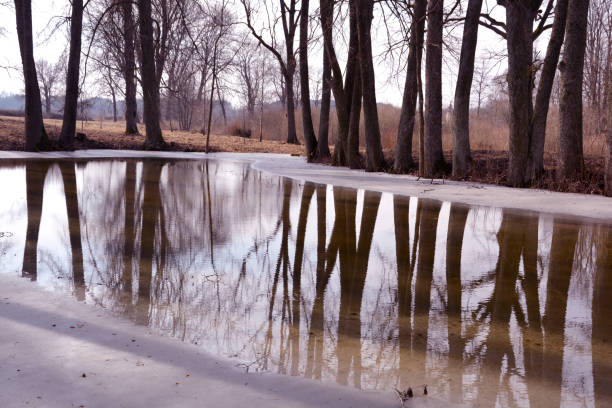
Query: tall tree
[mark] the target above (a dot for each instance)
(72, 77)
(309, 134)
(375, 160)
(323, 143)
(150, 85)
(403, 151)
(571, 161)
(129, 69)
(461, 106)
(520, 16)
(35, 134)
(48, 77)
(545, 86)
(289, 17)
(608, 165)
(433, 155)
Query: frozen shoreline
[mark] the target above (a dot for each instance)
(566, 204)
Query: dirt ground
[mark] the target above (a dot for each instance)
(488, 166)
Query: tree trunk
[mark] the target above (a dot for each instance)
(72, 77)
(150, 89)
(290, 104)
(337, 87)
(434, 158)
(375, 160)
(47, 101)
(114, 104)
(35, 134)
(323, 143)
(608, 165)
(520, 81)
(129, 67)
(571, 160)
(461, 114)
(353, 158)
(310, 139)
(35, 173)
(403, 151)
(542, 101)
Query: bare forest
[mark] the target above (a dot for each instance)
(305, 72)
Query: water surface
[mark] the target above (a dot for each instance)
(486, 306)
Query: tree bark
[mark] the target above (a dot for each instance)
(542, 100)
(403, 151)
(461, 113)
(310, 139)
(519, 18)
(150, 89)
(129, 68)
(72, 77)
(323, 143)
(375, 160)
(608, 165)
(35, 134)
(434, 158)
(571, 161)
(353, 158)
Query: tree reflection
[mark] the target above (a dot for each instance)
(74, 226)
(35, 182)
(152, 217)
(223, 256)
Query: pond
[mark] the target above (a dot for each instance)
(485, 305)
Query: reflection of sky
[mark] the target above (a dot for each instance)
(208, 301)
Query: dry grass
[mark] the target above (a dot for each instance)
(110, 135)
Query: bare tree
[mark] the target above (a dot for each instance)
(35, 134)
(49, 77)
(403, 150)
(608, 165)
(571, 160)
(461, 112)
(375, 160)
(289, 18)
(309, 135)
(542, 101)
(72, 77)
(433, 155)
(150, 84)
(129, 68)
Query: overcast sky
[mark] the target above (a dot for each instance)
(47, 46)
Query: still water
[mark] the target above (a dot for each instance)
(486, 306)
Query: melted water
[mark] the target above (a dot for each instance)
(484, 305)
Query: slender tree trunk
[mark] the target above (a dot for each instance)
(375, 160)
(129, 68)
(310, 139)
(47, 102)
(542, 100)
(519, 19)
(403, 151)
(323, 143)
(35, 134)
(434, 158)
(353, 158)
(571, 161)
(461, 113)
(337, 87)
(290, 101)
(150, 89)
(608, 165)
(72, 77)
(114, 104)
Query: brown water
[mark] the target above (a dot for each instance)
(486, 306)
